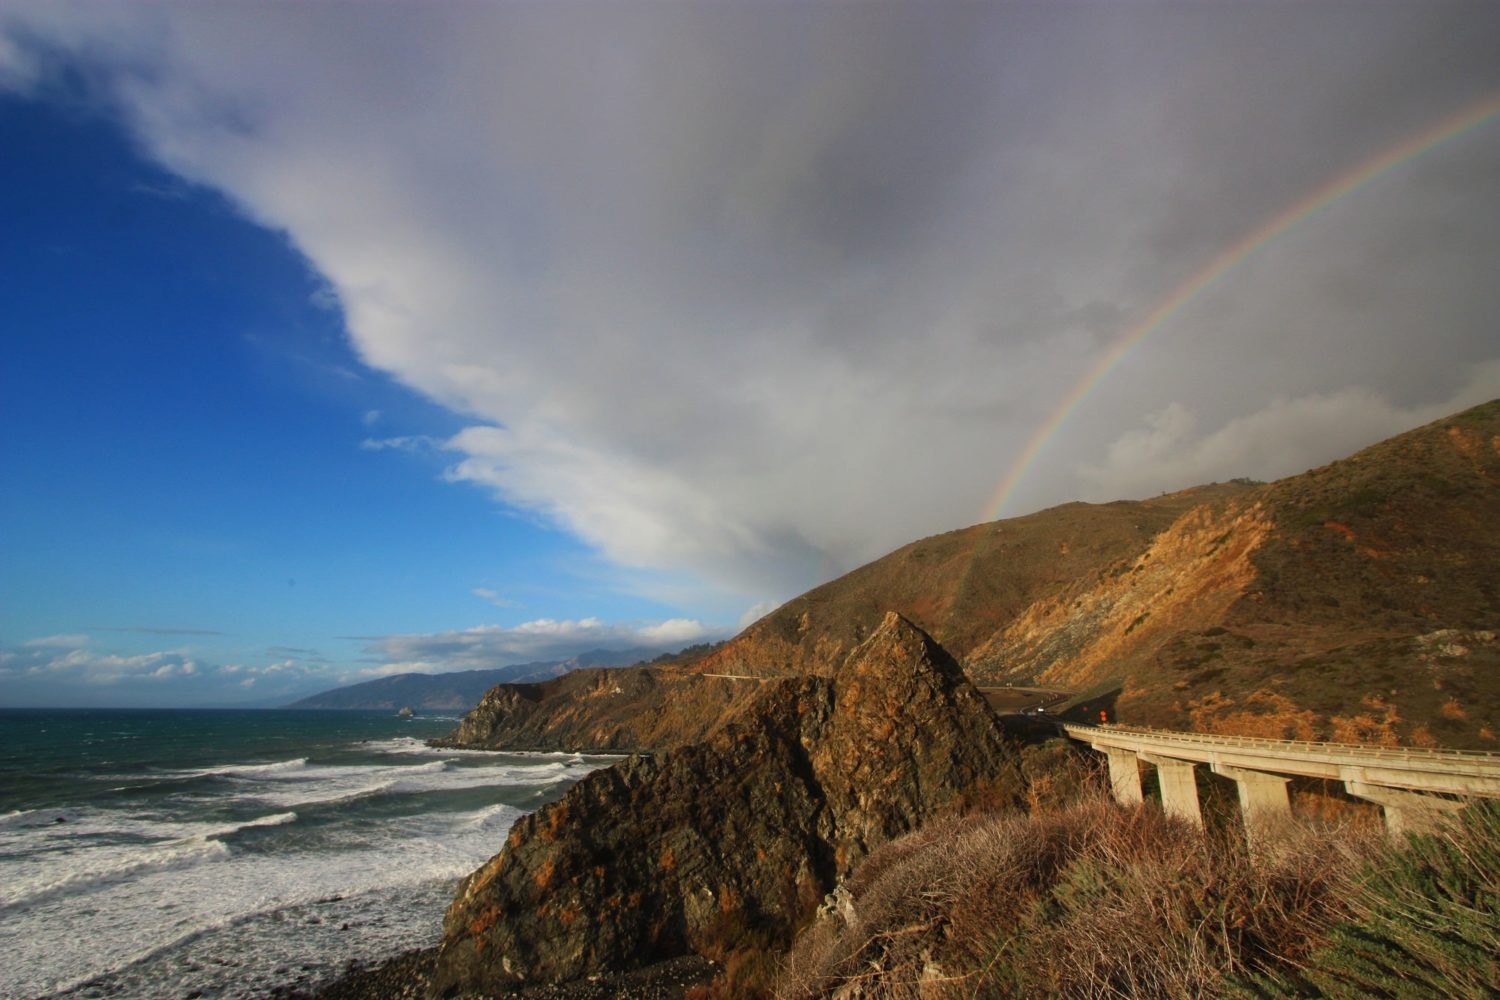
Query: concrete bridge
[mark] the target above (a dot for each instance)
(1413, 786)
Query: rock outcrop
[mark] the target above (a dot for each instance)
(630, 709)
(730, 843)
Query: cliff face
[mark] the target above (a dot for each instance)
(732, 842)
(626, 709)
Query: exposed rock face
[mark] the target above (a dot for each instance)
(1303, 608)
(711, 846)
(627, 709)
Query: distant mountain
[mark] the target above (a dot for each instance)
(462, 689)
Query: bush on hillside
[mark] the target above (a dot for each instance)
(1088, 901)
(1425, 922)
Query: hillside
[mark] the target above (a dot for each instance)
(1355, 601)
(459, 690)
(1358, 601)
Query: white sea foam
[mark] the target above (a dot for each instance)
(319, 785)
(98, 847)
(66, 873)
(250, 770)
(172, 904)
(408, 745)
(140, 919)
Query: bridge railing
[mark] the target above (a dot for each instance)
(1351, 749)
(1413, 785)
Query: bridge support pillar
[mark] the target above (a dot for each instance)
(1264, 802)
(1179, 788)
(1124, 775)
(1405, 812)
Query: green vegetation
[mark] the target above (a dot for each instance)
(1090, 900)
(1425, 922)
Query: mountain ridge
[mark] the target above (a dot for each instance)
(1356, 601)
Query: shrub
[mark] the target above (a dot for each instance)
(1091, 901)
(1425, 922)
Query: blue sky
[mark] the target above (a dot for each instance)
(346, 339)
(192, 472)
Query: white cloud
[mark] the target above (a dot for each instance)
(494, 597)
(70, 641)
(412, 442)
(94, 667)
(756, 612)
(1284, 438)
(58, 669)
(755, 293)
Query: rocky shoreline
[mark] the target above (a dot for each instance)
(408, 976)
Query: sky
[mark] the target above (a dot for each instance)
(342, 340)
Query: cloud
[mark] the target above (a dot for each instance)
(754, 293)
(66, 669)
(71, 641)
(1284, 438)
(486, 646)
(494, 597)
(50, 659)
(412, 442)
(756, 612)
(145, 630)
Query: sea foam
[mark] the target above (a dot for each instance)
(161, 900)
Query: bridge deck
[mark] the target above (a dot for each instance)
(1454, 772)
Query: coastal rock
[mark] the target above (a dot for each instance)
(628, 709)
(731, 843)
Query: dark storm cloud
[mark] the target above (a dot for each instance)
(755, 292)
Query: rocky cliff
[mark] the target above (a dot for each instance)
(627, 709)
(730, 844)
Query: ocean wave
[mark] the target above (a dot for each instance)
(277, 819)
(153, 913)
(410, 745)
(249, 770)
(489, 816)
(354, 901)
(15, 815)
(86, 869)
(322, 785)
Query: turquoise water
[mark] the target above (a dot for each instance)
(222, 853)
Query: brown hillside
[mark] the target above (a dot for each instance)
(1358, 601)
(1354, 602)
(961, 586)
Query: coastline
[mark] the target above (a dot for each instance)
(406, 977)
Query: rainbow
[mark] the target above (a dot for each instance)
(1455, 125)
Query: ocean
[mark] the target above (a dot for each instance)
(156, 853)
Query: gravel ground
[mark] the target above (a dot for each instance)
(405, 978)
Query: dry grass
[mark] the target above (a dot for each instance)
(1088, 901)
